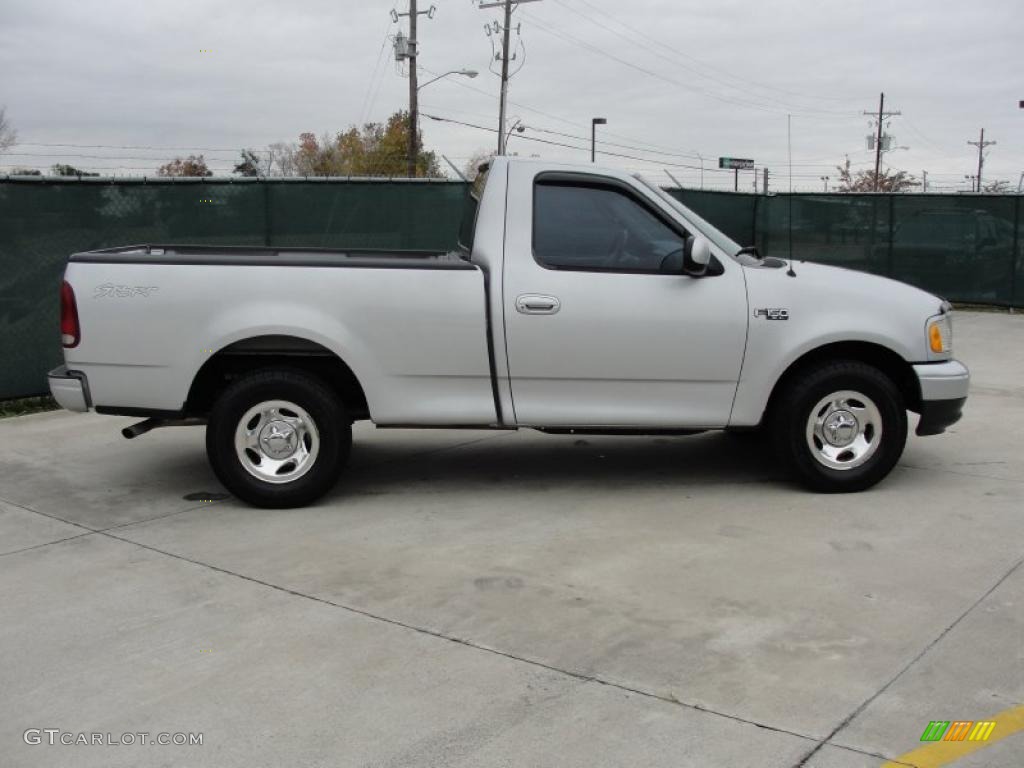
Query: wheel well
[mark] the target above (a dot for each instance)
(884, 359)
(248, 355)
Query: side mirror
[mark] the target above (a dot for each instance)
(696, 256)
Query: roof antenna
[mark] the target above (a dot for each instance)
(789, 143)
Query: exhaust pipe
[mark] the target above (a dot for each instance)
(143, 427)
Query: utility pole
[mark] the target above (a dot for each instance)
(410, 54)
(882, 115)
(506, 30)
(980, 144)
(924, 181)
(414, 102)
(593, 136)
(766, 181)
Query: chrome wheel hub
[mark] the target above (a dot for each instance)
(840, 428)
(277, 441)
(844, 430)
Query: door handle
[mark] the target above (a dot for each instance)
(537, 304)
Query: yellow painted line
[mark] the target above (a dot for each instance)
(938, 753)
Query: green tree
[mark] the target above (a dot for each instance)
(63, 169)
(193, 165)
(250, 165)
(375, 149)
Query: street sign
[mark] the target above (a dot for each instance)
(736, 163)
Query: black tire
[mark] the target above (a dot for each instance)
(333, 431)
(792, 414)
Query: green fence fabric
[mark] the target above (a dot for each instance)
(42, 222)
(730, 212)
(966, 248)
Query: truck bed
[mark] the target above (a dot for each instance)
(411, 325)
(222, 255)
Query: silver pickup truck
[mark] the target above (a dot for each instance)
(581, 300)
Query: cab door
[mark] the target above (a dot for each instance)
(602, 327)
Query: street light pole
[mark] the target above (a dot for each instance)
(517, 126)
(470, 73)
(593, 136)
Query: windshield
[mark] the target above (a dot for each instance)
(716, 236)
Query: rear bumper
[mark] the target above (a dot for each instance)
(943, 393)
(70, 389)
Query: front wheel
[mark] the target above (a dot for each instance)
(841, 426)
(278, 438)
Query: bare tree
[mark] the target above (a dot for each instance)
(864, 181)
(998, 187)
(281, 159)
(8, 136)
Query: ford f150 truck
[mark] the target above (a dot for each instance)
(581, 300)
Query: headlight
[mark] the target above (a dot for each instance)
(940, 334)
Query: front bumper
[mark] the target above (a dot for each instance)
(70, 389)
(943, 393)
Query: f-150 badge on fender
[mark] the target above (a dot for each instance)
(772, 314)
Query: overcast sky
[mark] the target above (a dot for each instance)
(675, 78)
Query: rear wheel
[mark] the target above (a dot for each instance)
(278, 438)
(840, 426)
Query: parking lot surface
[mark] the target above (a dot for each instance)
(517, 599)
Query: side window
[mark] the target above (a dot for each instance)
(594, 227)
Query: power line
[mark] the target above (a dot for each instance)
(562, 144)
(549, 115)
(677, 55)
(567, 37)
(705, 64)
(127, 146)
(367, 105)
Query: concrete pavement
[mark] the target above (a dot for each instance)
(507, 599)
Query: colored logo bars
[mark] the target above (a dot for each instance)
(958, 730)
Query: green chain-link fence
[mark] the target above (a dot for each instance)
(43, 221)
(963, 247)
